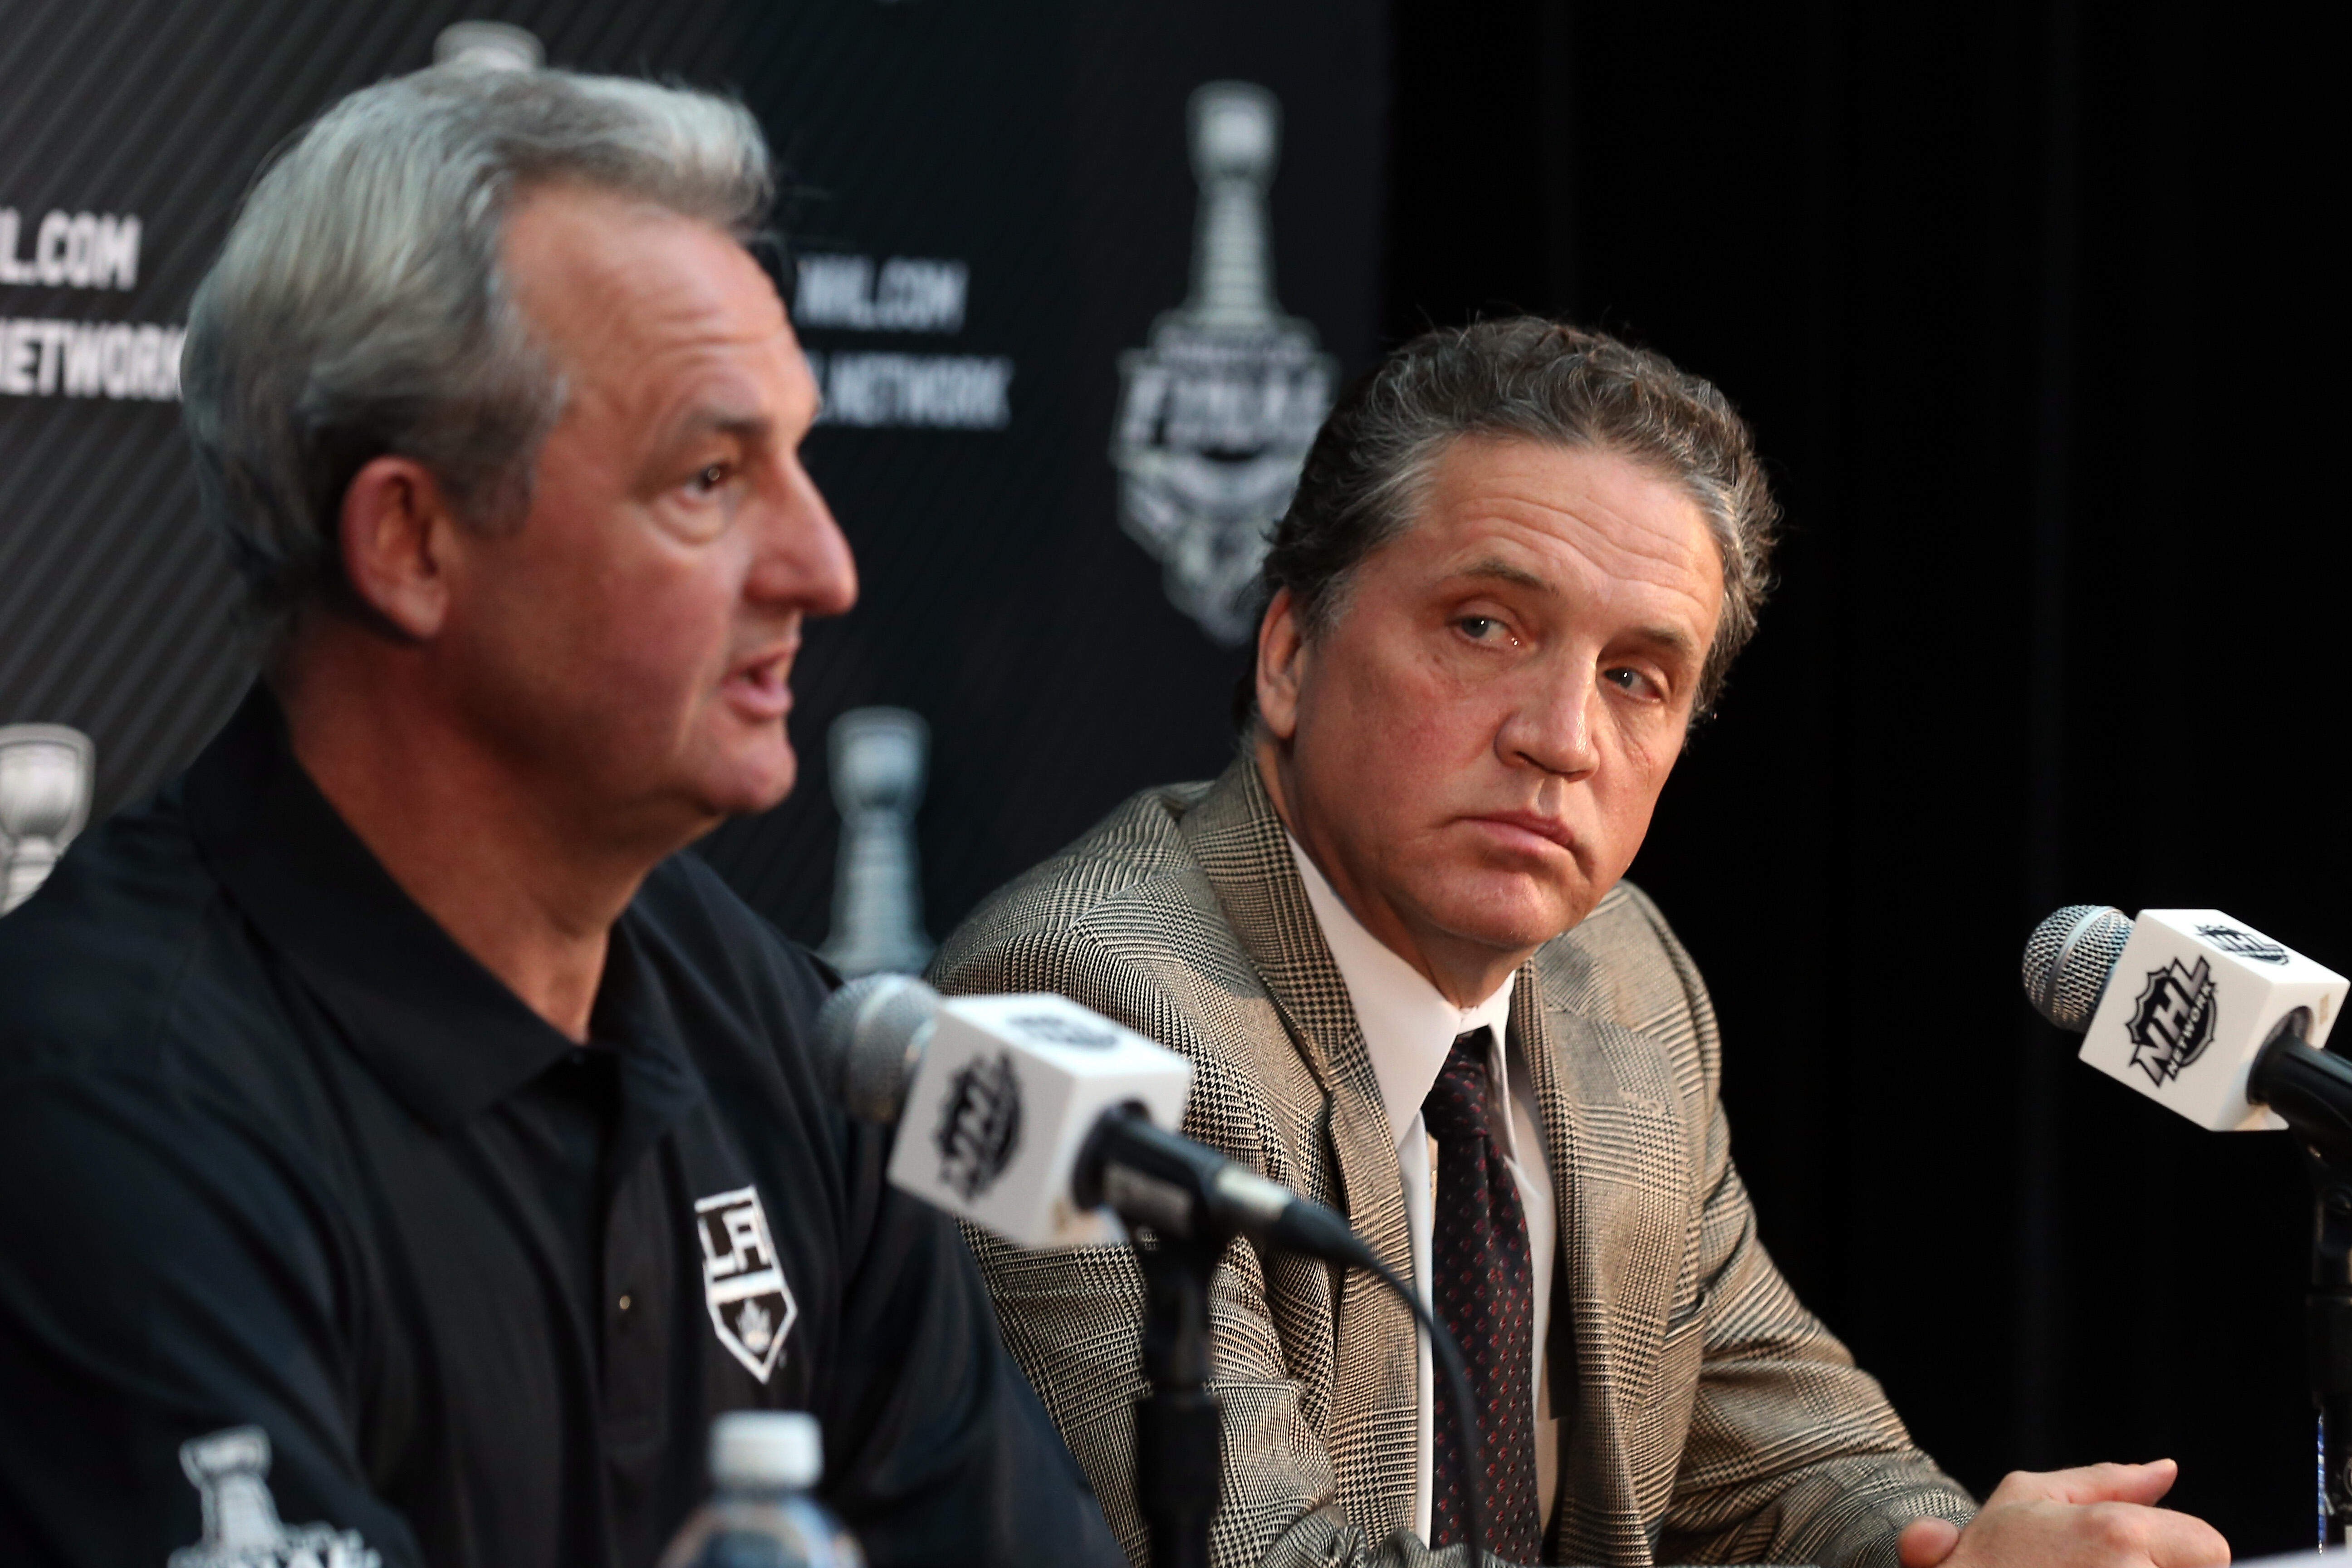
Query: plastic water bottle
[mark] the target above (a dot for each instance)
(761, 1515)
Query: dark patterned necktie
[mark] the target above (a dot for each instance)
(1482, 1285)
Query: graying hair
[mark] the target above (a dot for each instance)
(358, 306)
(1522, 378)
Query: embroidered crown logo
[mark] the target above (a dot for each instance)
(755, 1328)
(2172, 1021)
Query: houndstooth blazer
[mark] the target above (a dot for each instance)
(1705, 1415)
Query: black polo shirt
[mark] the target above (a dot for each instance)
(300, 1207)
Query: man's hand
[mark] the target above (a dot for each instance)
(2102, 1516)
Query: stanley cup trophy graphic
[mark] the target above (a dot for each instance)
(230, 1471)
(1216, 416)
(45, 773)
(878, 759)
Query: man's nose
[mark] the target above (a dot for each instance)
(803, 562)
(1556, 724)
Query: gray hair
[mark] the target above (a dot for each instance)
(359, 308)
(1530, 379)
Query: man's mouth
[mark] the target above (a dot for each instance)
(1529, 830)
(759, 688)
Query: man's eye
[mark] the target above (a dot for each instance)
(1480, 629)
(707, 479)
(1631, 680)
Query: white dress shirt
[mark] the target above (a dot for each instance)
(1409, 1030)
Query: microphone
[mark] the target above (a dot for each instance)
(2200, 1013)
(1031, 1115)
(1040, 1116)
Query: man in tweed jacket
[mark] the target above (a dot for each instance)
(1520, 560)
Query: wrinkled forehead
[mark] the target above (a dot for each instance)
(598, 272)
(1549, 517)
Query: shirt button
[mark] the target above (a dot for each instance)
(626, 1303)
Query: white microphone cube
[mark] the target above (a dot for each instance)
(2192, 1002)
(1009, 1088)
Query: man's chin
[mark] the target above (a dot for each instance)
(1516, 918)
(754, 784)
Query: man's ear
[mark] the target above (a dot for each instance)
(397, 533)
(1281, 665)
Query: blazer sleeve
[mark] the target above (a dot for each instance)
(1072, 1316)
(1793, 1453)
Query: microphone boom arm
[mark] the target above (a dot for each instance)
(2311, 1090)
(1195, 1201)
(2309, 1087)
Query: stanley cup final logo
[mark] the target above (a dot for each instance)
(45, 773)
(230, 1471)
(1216, 416)
(879, 757)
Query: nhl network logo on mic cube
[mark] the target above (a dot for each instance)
(990, 1132)
(2189, 979)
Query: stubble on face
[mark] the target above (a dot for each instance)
(1472, 750)
(630, 641)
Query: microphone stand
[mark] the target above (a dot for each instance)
(2312, 1091)
(2327, 1325)
(1182, 1209)
(1178, 1432)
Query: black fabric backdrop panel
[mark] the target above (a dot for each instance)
(1042, 148)
(1002, 599)
(2028, 306)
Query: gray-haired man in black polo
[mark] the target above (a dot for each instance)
(403, 1154)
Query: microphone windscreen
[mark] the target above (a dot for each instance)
(869, 1039)
(2068, 959)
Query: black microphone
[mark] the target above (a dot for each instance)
(1175, 1185)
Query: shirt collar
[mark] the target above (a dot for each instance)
(1409, 1025)
(445, 1036)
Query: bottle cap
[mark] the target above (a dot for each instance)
(765, 1449)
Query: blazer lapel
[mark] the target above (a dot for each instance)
(1241, 845)
(1619, 1168)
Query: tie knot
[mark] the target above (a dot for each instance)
(1458, 1103)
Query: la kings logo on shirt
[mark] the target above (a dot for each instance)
(750, 1305)
(241, 1525)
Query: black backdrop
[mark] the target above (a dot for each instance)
(2025, 301)
(1042, 145)
(2028, 306)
